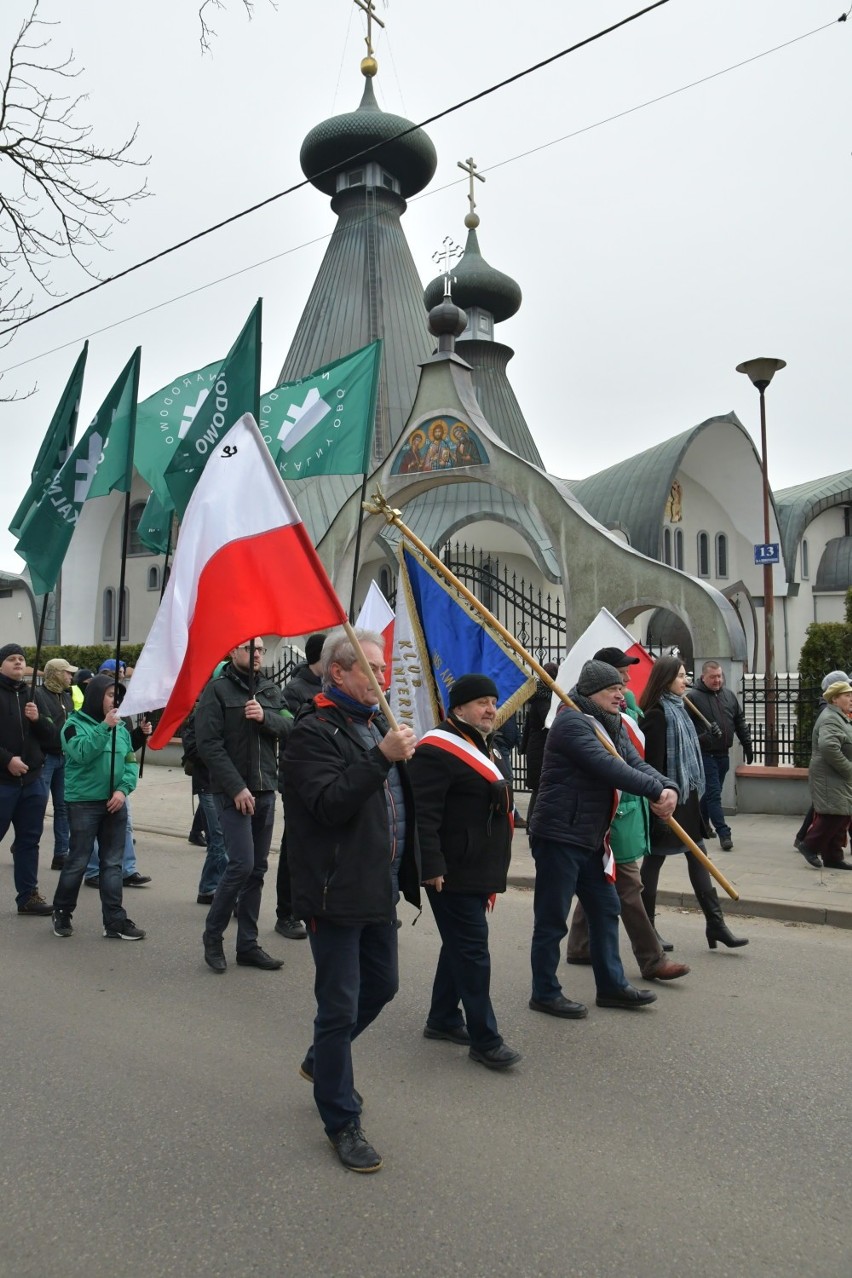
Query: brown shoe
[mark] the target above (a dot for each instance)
(666, 971)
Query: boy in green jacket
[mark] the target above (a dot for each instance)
(98, 778)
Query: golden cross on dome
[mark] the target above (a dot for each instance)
(469, 167)
(370, 9)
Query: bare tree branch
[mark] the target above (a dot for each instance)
(208, 35)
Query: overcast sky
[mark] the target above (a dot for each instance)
(655, 252)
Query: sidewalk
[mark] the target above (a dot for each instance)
(773, 880)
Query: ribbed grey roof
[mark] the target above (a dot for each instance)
(799, 506)
(496, 397)
(632, 494)
(835, 567)
(440, 514)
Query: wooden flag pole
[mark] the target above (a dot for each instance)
(378, 505)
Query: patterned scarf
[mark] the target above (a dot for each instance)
(611, 723)
(683, 758)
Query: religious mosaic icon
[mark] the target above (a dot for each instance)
(444, 443)
(674, 504)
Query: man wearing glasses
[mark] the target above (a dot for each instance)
(239, 721)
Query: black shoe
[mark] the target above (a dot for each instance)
(560, 1006)
(667, 945)
(62, 923)
(710, 833)
(136, 880)
(305, 1072)
(259, 958)
(354, 1150)
(837, 865)
(577, 960)
(35, 904)
(214, 954)
(58, 863)
(495, 1057)
(628, 997)
(197, 840)
(291, 927)
(726, 843)
(205, 898)
(810, 857)
(126, 931)
(94, 881)
(452, 1034)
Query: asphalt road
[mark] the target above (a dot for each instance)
(154, 1122)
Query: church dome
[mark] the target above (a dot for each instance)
(333, 145)
(475, 283)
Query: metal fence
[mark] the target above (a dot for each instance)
(796, 705)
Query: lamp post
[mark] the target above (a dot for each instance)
(761, 372)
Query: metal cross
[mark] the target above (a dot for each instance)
(370, 9)
(445, 255)
(470, 168)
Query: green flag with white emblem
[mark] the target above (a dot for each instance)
(163, 420)
(323, 423)
(101, 461)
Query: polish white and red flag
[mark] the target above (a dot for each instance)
(244, 566)
(377, 615)
(604, 632)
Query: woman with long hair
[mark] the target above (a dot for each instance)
(671, 746)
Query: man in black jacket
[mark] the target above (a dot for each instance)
(239, 721)
(720, 706)
(54, 700)
(25, 734)
(577, 800)
(464, 805)
(351, 839)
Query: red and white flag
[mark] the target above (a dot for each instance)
(244, 566)
(604, 632)
(377, 615)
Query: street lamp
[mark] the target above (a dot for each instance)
(761, 372)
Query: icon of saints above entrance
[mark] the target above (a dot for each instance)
(440, 443)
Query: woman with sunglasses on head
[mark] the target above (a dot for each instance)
(671, 746)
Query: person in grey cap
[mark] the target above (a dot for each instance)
(577, 799)
(463, 801)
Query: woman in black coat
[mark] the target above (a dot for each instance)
(671, 746)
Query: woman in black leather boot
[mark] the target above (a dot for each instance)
(671, 746)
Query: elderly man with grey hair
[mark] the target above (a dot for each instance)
(352, 849)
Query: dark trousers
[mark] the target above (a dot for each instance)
(561, 870)
(247, 840)
(22, 807)
(91, 821)
(283, 891)
(357, 973)
(699, 877)
(637, 925)
(216, 858)
(54, 775)
(463, 974)
(806, 824)
(715, 770)
(827, 837)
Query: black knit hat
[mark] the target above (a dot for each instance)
(471, 686)
(313, 649)
(11, 650)
(595, 676)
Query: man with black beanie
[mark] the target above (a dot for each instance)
(24, 736)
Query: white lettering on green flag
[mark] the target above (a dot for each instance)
(162, 421)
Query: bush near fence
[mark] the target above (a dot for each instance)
(85, 656)
(827, 647)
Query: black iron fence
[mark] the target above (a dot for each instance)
(796, 703)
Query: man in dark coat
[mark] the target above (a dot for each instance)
(239, 721)
(464, 805)
(569, 839)
(54, 700)
(25, 734)
(351, 838)
(725, 715)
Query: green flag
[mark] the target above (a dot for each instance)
(162, 421)
(102, 460)
(236, 390)
(56, 444)
(155, 524)
(323, 423)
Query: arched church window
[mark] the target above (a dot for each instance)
(667, 545)
(385, 582)
(125, 614)
(703, 555)
(721, 555)
(806, 567)
(135, 545)
(108, 627)
(154, 577)
(678, 548)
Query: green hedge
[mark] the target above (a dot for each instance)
(88, 656)
(827, 647)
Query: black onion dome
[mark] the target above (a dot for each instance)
(334, 145)
(475, 283)
(447, 319)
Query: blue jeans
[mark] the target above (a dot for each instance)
(54, 776)
(247, 840)
(22, 807)
(561, 869)
(216, 858)
(357, 973)
(715, 770)
(91, 821)
(463, 973)
(128, 859)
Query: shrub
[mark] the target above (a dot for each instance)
(827, 647)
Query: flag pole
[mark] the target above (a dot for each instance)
(162, 592)
(38, 647)
(362, 506)
(378, 505)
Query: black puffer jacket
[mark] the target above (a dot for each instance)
(534, 734)
(21, 736)
(56, 706)
(239, 753)
(462, 817)
(720, 707)
(301, 688)
(338, 838)
(578, 778)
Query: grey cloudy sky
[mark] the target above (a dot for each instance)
(655, 252)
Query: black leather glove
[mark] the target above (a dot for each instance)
(748, 754)
(715, 732)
